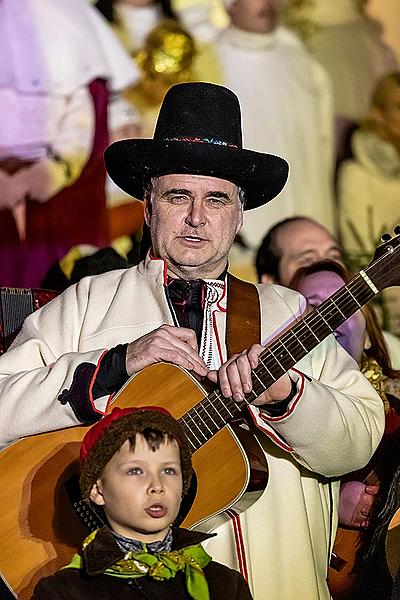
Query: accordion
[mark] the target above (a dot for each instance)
(15, 305)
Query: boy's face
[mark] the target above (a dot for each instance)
(141, 490)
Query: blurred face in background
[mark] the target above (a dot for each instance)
(137, 2)
(256, 16)
(302, 243)
(318, 286)
(387, 114)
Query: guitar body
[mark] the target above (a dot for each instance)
(343, 576)
(38, 522)
(393, 544)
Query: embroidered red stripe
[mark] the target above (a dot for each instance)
(92, 384)
(240, 547)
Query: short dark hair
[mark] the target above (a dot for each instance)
(268, 254)
(107, 9)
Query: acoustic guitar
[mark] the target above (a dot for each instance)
(344, 573)
(392, 544)
(39, 527)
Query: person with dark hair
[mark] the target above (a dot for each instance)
(134, 19)
(358, 566)
(300, 241)
(180, 306)
(292, 243)
(136, 467)
(54, 93)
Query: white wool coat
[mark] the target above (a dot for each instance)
(332, 425)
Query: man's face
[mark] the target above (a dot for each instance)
(318, 286)
(193, 221)
(389, 116)
(257, 16)
(303, 243)
(141, 489)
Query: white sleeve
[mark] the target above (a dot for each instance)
(40, 364)
(336, 421)
(69, 150)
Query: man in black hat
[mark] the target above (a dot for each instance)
(180, 306)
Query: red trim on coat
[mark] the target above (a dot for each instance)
(294, 404)
(269, 433)
(92, 384)
(240, 547)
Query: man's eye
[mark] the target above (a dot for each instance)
(305, 262)
(216, 201)
(178, 199)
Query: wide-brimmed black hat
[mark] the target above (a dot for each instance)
(198, 132)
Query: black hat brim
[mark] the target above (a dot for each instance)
(130, 163)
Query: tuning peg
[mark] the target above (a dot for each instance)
(397, 229)
(386, 237)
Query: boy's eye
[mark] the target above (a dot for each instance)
(170, 471)
(135, 471)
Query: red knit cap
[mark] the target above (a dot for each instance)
(104, 438)
(98, 428)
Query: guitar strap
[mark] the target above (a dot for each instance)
(243, 321)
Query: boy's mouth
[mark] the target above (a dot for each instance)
(156, 510)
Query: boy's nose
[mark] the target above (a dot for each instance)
(156, 486)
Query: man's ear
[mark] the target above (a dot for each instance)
(240, 223)
(147, 210)
(267, 278)
(377, 115)
(96, 494)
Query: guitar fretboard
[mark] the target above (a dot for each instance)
(214, 411)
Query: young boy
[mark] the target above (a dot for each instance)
(136, 465)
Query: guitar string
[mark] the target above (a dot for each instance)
(289, 340)
(209, 402)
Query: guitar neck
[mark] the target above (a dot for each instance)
(284, 352)
(214, 412)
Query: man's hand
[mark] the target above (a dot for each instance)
(13, 189)
(176, 345)
(356, 503)
(234, 378)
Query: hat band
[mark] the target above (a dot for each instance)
(201, 141)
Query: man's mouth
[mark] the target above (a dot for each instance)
(193, 239)
(157, 511)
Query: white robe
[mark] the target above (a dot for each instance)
(351, 47)
(287, 110)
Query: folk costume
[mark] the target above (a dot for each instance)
(308, 443)
(368, 190)
(287, 109)
(110, 563)
(54, 93)
(93, 577)
(351, 47)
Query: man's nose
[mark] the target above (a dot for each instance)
(196, 214)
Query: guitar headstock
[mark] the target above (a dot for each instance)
(384, 270)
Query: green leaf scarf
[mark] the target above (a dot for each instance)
(160, 566)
